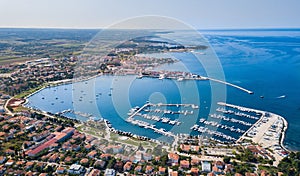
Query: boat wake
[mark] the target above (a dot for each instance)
(282, 96)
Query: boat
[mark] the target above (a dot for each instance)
(161, 76)
(180, 79)
(282, 96)
(140, 76)
(195, 106)
(201, 120)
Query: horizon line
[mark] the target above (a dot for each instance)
(100, 28)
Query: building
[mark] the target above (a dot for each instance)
(184, 164)
(206, 166)
(76, 169)
(161, 170)
(94, 172)
(173, 158)
(2, 159)
(92, 154)
(60, 170)
(58, 137)
(109, 172)
(147, 156)
(127, 166)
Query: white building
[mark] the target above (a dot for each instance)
(206, 166)
(76, 169)
(110, 172)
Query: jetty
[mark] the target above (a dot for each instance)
(137, 111)
(180, 76)
(230, 84)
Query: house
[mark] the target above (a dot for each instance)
(161, 170)
(228, 168)
(9, 152)
(184, 164)
(99, 164)
(119, 166)
(2, 169)
(29, 165)
(117, 149)
(60, 170)
(127, 166)
(217, 171)
(19, 164)
(173, 173)
(173, 158)
(109, 172)
(194, 171)
(88, 147)
(76, 169)
(92, 154)
(84, 161)
(206, 166)
(219, 164)
(94, 172)
(263, 173)
(54, 158)
(185, 148)
(211, 174)
(149, 169)
(137, 157)
(105, 156)
(9, 162)
(147, 156)
(138, 168)
(75, 147)
(68, 159)
(195, 162)
(2, 159)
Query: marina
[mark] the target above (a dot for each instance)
(154, 113)
(220, 128)
(268, 131)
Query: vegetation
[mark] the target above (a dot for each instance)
(290, 165)
(26, 44)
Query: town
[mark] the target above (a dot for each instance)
(35, 144)
(40, 143)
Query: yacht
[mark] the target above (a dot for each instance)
(161, 76)
(180, 79)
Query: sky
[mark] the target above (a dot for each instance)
(199, 14)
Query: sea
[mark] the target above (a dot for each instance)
(265, 61)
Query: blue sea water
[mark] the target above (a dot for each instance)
(264, 61)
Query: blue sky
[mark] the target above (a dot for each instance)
(200, 14)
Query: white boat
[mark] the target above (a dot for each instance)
(140, 76)
(195, 106)
(180, 79)
(161, 76)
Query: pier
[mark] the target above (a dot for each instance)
(180, 76)
(230, 84)
(136, 111)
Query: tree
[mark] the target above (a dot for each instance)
(226, 159)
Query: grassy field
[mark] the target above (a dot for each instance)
(13, 59)
(28, 92)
